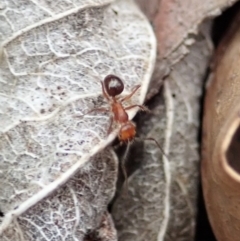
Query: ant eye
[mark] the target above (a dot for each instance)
(113, 85)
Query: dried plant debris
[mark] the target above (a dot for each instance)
(176, 24)
(52, 62)
(161, 201)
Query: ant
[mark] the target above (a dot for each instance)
(112, 87)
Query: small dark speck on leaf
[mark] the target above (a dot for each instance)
(80, 142)
(115, 12)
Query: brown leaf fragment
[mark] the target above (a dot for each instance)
(176, 24)
(174, 20)
(220, 151)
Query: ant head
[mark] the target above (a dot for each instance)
(127, 132)
(113, 85)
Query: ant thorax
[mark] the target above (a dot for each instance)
(119, 113)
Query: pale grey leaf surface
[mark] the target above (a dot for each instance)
(74, 210)
(161, 200)
(52, 62)
(36, 13)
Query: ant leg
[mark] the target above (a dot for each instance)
(123, 167)
(104, 92)
(131, 94)
(95, 109)
(158, 145)
(110, 126)
(142, 107)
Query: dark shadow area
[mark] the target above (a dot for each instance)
(130, 156)
(233, 152)
(203, 228)
(222, 23)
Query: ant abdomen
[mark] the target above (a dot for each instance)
(127, 132)
(113, 85)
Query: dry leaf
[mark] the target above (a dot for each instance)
(161, 202)
(75, 210)
(220, 161)
(176, 23)
(162, 193)
(175, 20)
(52, 62)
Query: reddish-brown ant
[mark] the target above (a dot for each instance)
(112, 87)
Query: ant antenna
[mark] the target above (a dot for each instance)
(154, 140)
(123, 167)
(124, 158)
